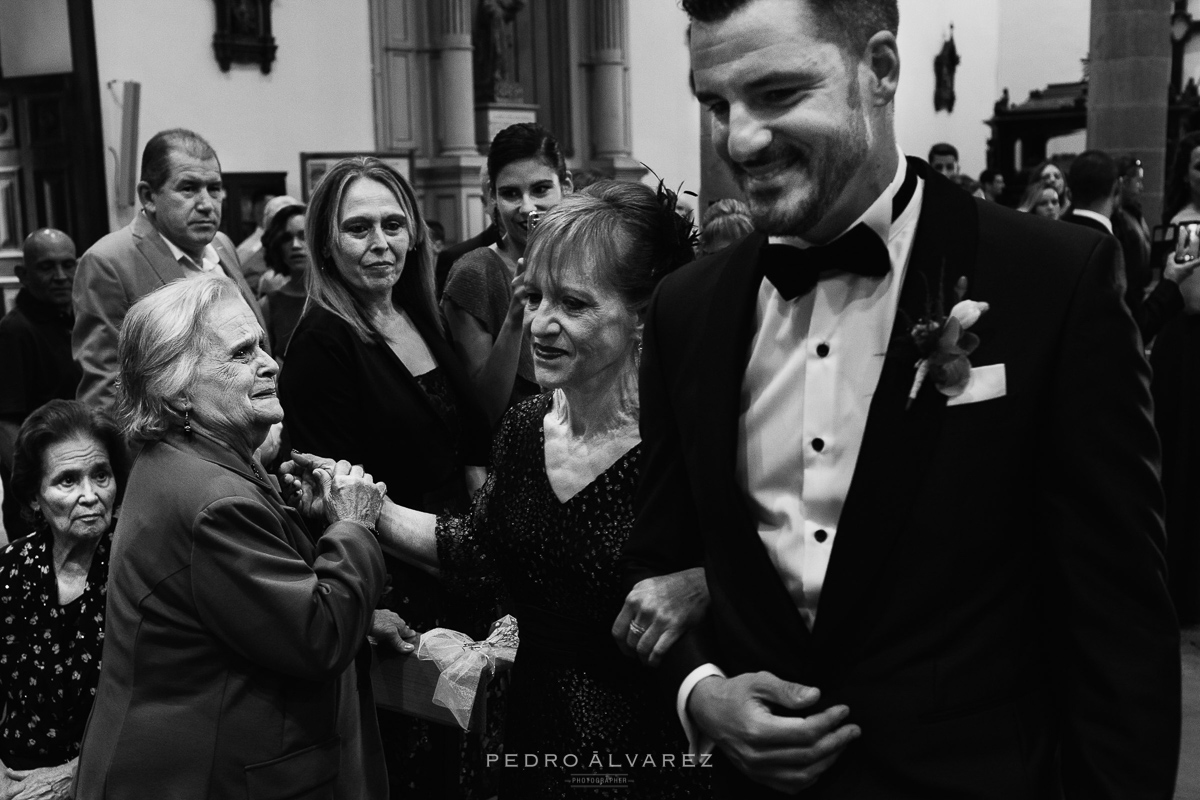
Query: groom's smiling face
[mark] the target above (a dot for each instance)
(788, 110)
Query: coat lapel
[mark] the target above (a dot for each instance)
(152, 247)
(898, 443)
(723, 348)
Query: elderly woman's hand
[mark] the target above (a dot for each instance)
(388, 628)
(45, 783)
(299, 486)
(349, 493)
(658, 611)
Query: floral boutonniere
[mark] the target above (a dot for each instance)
(944, 344)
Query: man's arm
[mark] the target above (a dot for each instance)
(101, 302)
(1098, 481)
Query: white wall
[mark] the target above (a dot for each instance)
(318, 96)
(665, 115)
(1041, 42)
(924, 24)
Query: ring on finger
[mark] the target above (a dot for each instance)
(635, 629)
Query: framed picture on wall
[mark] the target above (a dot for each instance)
(313, 167)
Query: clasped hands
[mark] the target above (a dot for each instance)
(335, 490)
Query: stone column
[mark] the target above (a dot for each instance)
(1129, 71)
(609, 98)
(457, 99)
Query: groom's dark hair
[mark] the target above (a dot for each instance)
(850, 23)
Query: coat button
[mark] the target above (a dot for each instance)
(821, 535)
(818, 444)
(822, 349)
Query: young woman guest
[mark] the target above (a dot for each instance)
(286, 254)
(484, 298)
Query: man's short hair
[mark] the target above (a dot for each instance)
(943, 149)
(850, 23)
(1091, 177)
(156, 156)
(988, 175)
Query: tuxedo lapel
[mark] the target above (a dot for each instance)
(722, 347)
(898, 442)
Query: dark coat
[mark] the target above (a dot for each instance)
(230, 642)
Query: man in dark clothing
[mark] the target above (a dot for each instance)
(1095, 191)
(35, 344)
(490, 235)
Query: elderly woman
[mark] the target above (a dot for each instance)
(371, 376)
(68, 472)
(232, 629)
(557, 507)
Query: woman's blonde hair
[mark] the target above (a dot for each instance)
(327, 287)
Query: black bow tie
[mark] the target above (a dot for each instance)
(794, 272)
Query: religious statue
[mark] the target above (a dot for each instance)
(496, 52)
(944, 66)
(1003, 103)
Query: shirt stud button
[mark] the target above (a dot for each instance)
(821, 535)
(818, 444)
(822, 349)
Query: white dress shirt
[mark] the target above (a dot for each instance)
(209, 261)
(1094, 215)
(813, 368)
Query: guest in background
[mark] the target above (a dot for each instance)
(1176, 386)
(175, 235)
(287, 256)
(489, 236)
(943, 157)
(992, 183)
(1049, 174)
(370, 376)
(1130, 226)
(558, 506)
(68, 477)
(260, 275)
(35, 346)
(232, 629)
(725, 221)
(1042, 200)
(1095, 184)
(484, 300)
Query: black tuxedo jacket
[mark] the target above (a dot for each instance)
(1152, 311)
(994, 613)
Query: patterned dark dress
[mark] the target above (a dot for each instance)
(49, 653)
(577, 708)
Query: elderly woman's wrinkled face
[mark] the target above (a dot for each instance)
(1048, 204)
(78, 489)
(233, 393)
(583, 334)
(374, 237)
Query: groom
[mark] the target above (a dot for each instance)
(924, 583)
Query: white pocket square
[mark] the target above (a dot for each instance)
(986, 383)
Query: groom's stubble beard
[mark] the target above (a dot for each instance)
(817, 181)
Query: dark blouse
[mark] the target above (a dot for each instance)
(49, 653)
(572, 691)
